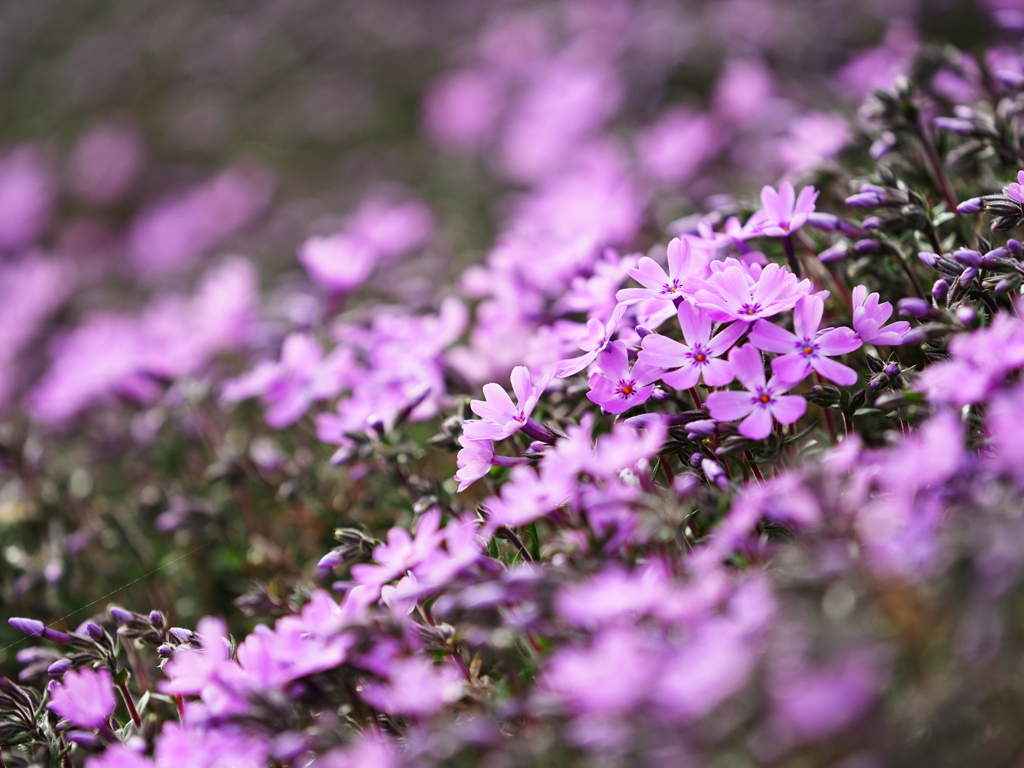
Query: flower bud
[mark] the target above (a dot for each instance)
(872, 222)
(891, 369)
(94, 630)
(968, 274)
(848, 229)
(968, 257)
(866, 246)
(974, 205)
(1015, 247)
(59, 667)
(331, 560)
(182, 634)
(915, 336)
(714, 473)
(993, 257)
(863, 200)
(929, 258)
(955, 125)
(30, 627)
(912, 306)
(837, 252)
(156, 619)
(965, 314)
(84, 739)
(120, 615)
(1010, 283)
(823, 221)
(940, 290)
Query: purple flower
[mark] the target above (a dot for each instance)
(528, 496)
(415, 688)
(499, 416)
(815, 701)
(463, 544)
(272, 658)
(808, 348)
(713, 664)
(474, 461)
(734, 294)
(303, 376)
(657, 283)
(612, 676)
(192, 669)
(402, 551)
(389, 228)
(869, 316)
(597, 338)
(208, 748)
(36, 628)
(699, 356)
(673, 149)
(119, 756)
(762, 401)
(1015, 189)
(339, 262)
(617, 387)
(85, 698)
(783, 212)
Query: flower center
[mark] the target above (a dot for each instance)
(700, 358)
(765, 399)
(626, 388)
(750, 309)
(673, 287)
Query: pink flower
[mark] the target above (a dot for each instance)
(402, 551)
(85, 698)
(339, 262)
(699, 356)
(416, 688)
(734, 293)
(869, 315)
(597, 338)
(1015, 189)
(657, 283)
(783, 212)
(808, 348)
(499, 416)
(760, 403)
(617, 387)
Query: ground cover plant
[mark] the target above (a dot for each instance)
(606, 383)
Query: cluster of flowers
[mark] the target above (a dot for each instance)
(684, 548)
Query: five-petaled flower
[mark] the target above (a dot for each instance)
(808, 348)
(699, 356)
(761, 402)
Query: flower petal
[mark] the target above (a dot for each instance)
(841, 374)
(730, 405)
(788, 408)
(747, 365)
(758, 425)
(771, 338)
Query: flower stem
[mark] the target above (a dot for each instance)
(126, 695)
(794, 264)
